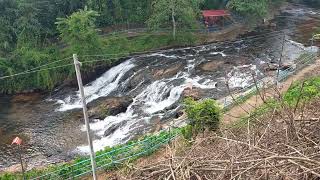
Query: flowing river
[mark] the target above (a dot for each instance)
(151, 87)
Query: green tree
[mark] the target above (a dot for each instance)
(8, 15)
(252, 9)
(213, 4)
(79, 33)
(178, 13)
(28, 26)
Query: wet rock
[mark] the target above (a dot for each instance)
(210, 66)
(112, 129)
(110, 106)
(274, 67)
(167, 71)
(157, 122)
(141, 77)
(193, 92)
(180, 113)
(285, 66)
(270, 67)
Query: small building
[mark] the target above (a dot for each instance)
(216, 17)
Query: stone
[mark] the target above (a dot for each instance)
(167, 71)
(110, 106)
(210, 66)
(112, 129)
(285, 66)
(26, 97)
(270, 67)
(194, 93)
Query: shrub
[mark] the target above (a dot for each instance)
(187, 132)
(202, 115)
(303, 91)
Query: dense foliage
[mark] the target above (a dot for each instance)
(37, 32)
(182, 13)
(301, 92)
(202, 115)
(252, 9)
(78, 31)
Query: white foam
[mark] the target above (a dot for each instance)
(155, 106)
(241, 76)
(216, 53)
(293, 50)
(164, 55)
(194, 82)
(100, 87)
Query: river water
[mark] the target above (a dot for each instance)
(52, 125)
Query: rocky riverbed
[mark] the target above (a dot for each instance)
(143, 92)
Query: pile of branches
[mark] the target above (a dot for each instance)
(283, 144)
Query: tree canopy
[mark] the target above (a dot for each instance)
(30, 36)
(78, 31)
(181, 13)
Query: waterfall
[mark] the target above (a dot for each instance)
(101, 87)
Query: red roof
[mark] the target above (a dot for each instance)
(215, 13)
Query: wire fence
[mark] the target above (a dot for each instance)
(119, 155)
(305, 59)
(112, 158)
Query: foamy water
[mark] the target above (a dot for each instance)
(101, 87)
(154, 98)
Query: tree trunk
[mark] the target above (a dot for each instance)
(173, 21)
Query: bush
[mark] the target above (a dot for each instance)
(202, 115)
(187, 132)
(303, 91)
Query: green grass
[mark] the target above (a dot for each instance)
(295, 94)
(107, 159)
(145, 42)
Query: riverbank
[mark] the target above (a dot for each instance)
(163, 61)
(262, 148)
(115, 49)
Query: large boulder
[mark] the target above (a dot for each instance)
(193, 92)
(210, 66)
(110, 106)
(167, 71)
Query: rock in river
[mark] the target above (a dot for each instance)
(110, 106)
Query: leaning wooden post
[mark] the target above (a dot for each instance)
(85, 114)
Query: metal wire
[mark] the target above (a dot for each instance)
(149, 144)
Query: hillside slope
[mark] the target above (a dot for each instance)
(279, 142)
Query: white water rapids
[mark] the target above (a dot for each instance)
(153, 99)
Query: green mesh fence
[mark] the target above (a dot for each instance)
(116, 156)
(108, 160)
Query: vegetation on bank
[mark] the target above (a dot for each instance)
(38, 32)
(281, 140)
(107, 159)
(254, 10)
(298, 94)
(202, 115)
